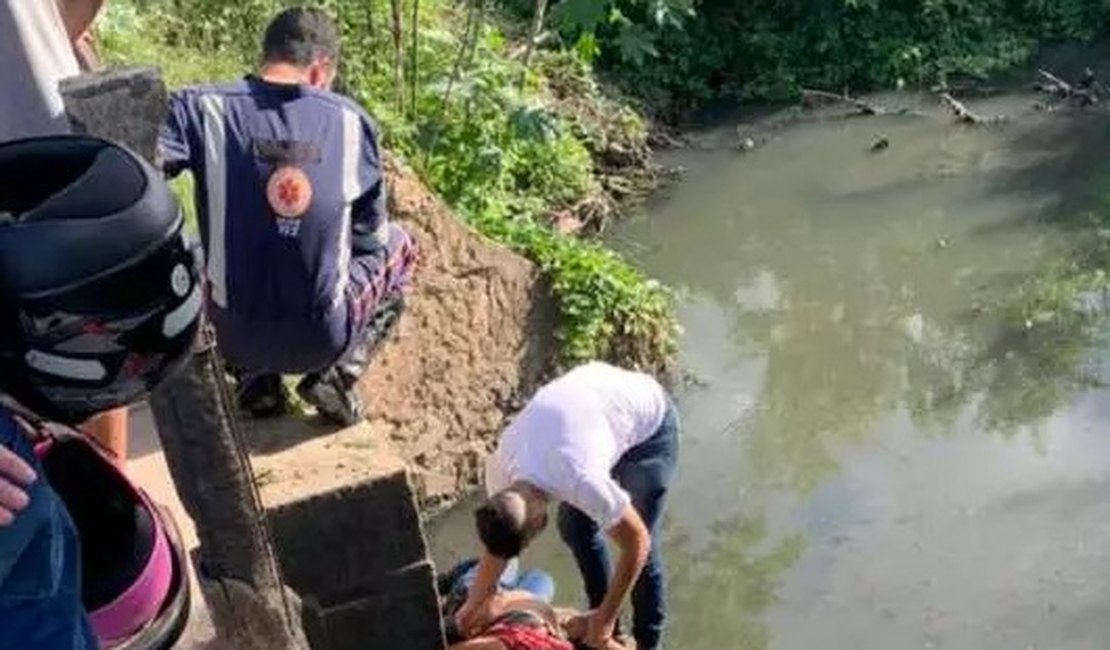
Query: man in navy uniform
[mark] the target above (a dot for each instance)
(302, 264)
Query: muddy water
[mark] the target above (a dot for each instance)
(882, 450)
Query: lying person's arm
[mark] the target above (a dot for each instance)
(479, 643)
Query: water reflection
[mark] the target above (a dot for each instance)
(890, 444)
(866, 283)
(858, 323)
(723, 590)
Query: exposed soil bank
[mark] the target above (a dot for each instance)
(474, 341)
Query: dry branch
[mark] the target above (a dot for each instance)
(963, 114)
(1059, 87)
(814, 98)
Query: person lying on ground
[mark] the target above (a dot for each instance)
(603, 443)
(302, 264)
(521, 615)
(90, 335)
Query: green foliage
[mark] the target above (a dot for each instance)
(610, 310)
(484, 133)
(770, 48)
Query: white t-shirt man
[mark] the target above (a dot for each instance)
(36, 55)
(571, 434)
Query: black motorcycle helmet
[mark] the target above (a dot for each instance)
(100, 291)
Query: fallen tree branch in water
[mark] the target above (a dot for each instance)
(1059, 87)
(964, 115)
(817, 98)
(814, 99)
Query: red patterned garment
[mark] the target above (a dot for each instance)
(521, 637)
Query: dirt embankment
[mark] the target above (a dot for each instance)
(474, 341)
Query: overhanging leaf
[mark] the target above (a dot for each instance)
(580, 15)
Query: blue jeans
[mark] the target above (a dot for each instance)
(645, 472)
(539, 583)
(40, 568)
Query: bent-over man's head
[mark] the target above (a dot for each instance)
(509, 520)
(302, 43)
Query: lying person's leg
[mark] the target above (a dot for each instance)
(377, 283)
(536, 582)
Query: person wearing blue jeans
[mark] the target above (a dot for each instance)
(40, 559)
(602, 442)
(644, 472)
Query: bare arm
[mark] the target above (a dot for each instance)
(632, 538)
(78, 16)
(473, 614)
(490, 569)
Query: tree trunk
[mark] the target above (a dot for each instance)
(195, 415)
(372, 34)
(398, 57)
(533, 38)
(414, 57)
(473, 26)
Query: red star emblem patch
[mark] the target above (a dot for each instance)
(289, 192)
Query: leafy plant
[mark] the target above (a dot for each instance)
(483, 130)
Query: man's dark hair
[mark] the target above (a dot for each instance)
(300, 36)
(502, 524)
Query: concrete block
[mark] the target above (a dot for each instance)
(345, 522)
(340, 543)
(401, 612)
(94, 103)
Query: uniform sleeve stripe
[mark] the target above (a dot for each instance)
(215, 179)
(352, 145)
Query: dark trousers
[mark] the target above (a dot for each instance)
(374, 298)
(375, 290)
(645, 472)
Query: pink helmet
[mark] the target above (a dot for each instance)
(135, 578)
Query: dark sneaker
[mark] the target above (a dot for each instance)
(381, 323)
(263, 396)
(332, 397)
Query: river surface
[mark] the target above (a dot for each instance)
(881, 449)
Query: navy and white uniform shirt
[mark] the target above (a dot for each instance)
(289, 187)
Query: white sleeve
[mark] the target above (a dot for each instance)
(600, 498)
(496, 480)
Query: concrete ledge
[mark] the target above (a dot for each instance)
(343, 512)
(342, 542)
(96, 101)
(295, 460)
(398, 614)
